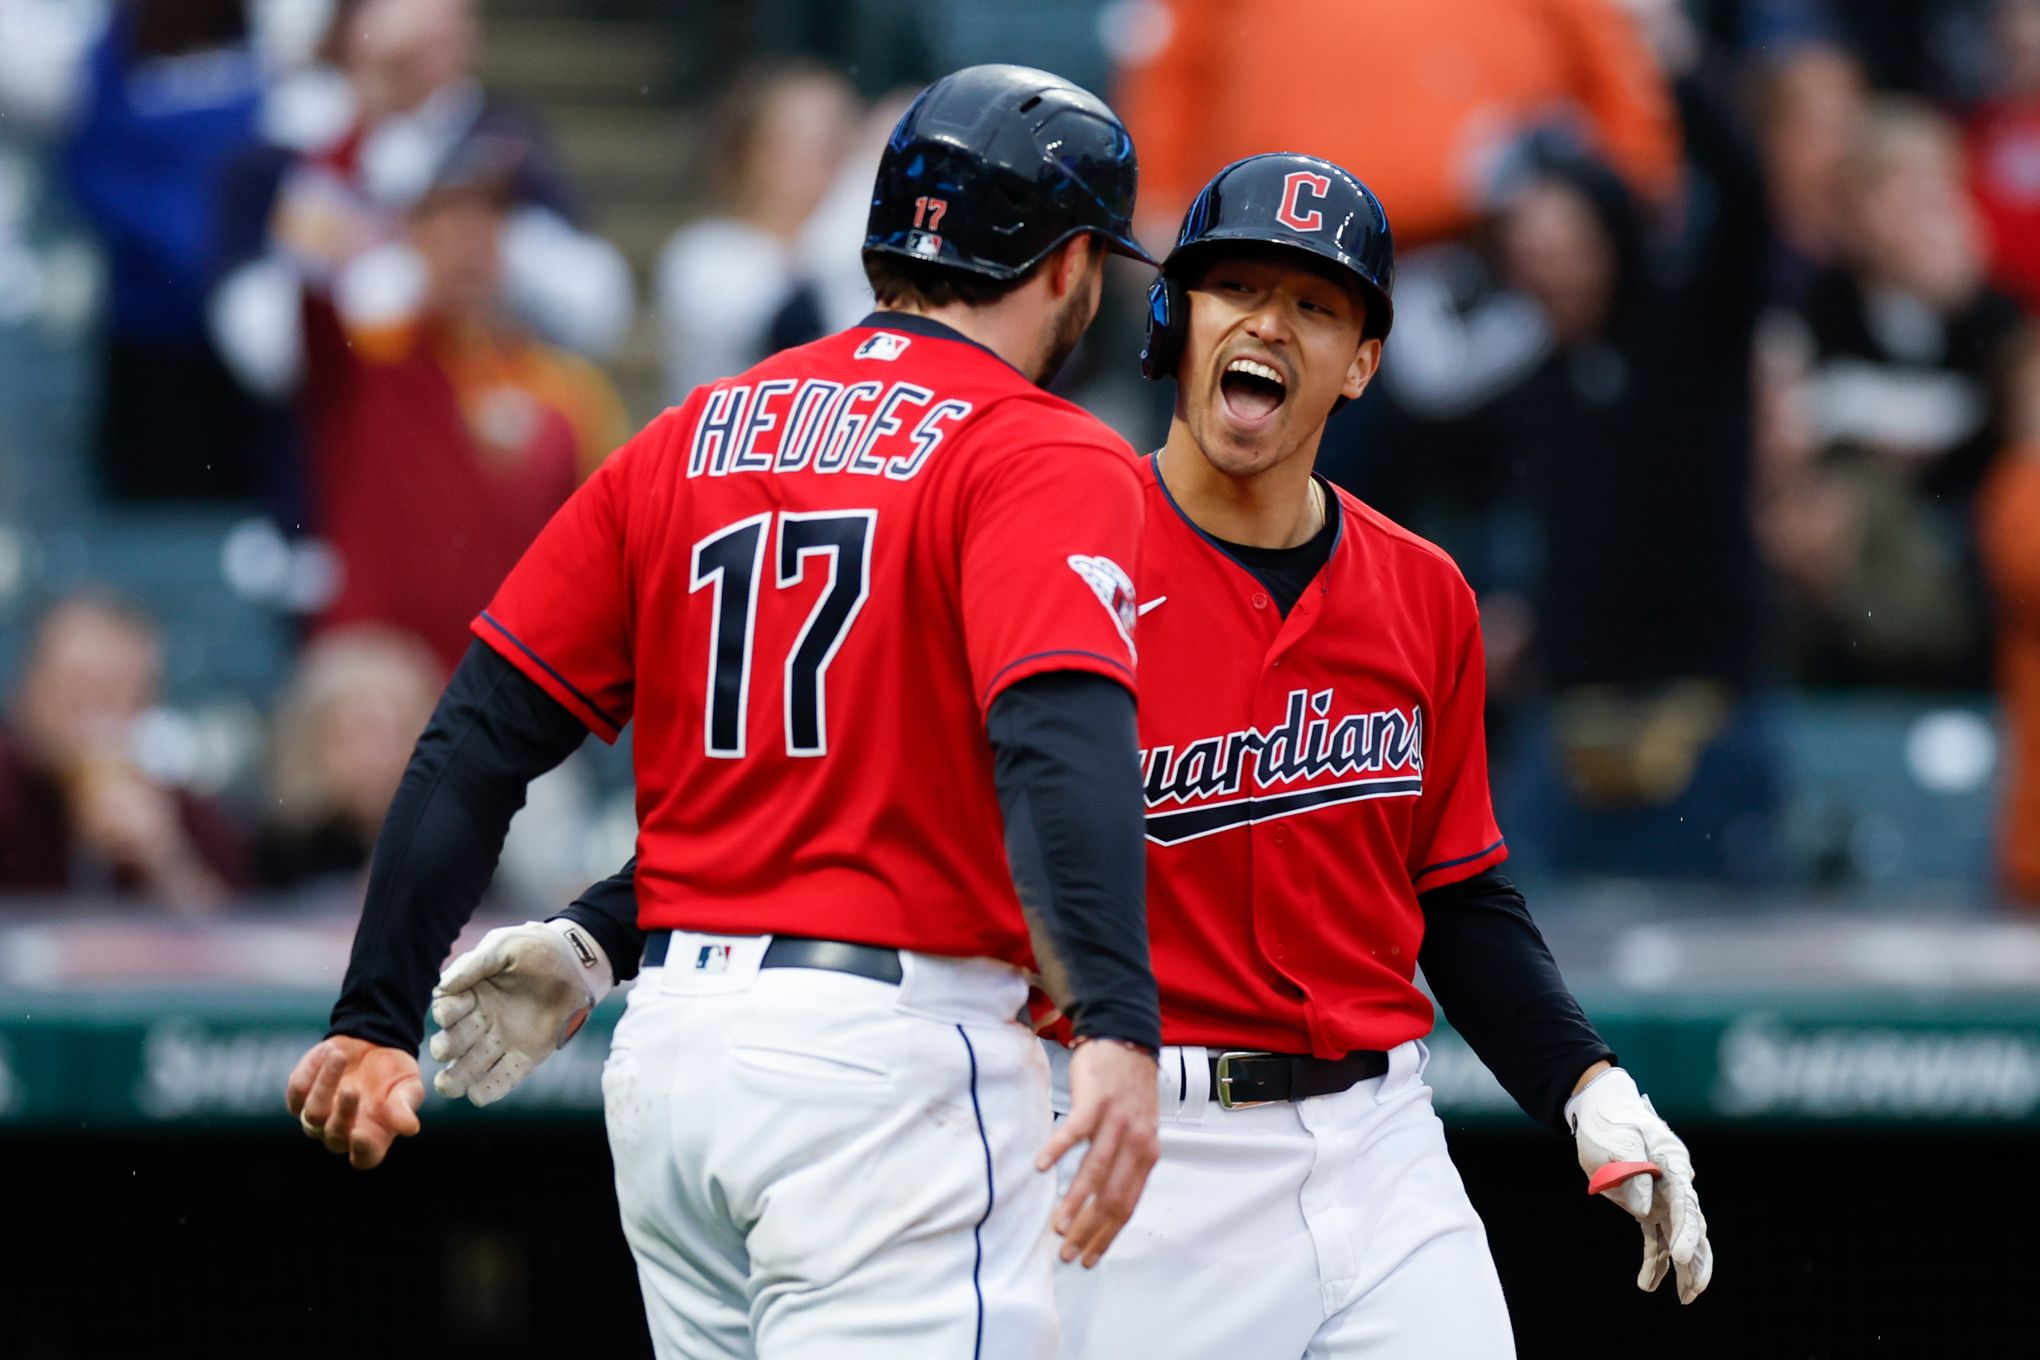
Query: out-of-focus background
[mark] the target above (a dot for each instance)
(1714, 367)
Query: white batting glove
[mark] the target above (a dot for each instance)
(1633, 1158)
(511, 1000)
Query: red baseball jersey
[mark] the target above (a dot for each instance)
(806, 585)
(1306, 777)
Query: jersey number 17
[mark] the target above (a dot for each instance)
(732, 561)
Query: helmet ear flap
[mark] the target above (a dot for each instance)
(1168, 317)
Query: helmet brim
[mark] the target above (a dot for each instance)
(1128, 248)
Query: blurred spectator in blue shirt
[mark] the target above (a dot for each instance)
(170, 98)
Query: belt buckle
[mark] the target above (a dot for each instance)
(1225, 1081)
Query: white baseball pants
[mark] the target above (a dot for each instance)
(1325, 1229)
(817, 1166)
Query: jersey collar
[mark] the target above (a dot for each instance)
(1218, 545)
(915, 324)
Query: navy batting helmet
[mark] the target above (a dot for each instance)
(993, 167)
(1280, 199)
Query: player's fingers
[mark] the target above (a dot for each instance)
(448, 1011)
(367, 1145)
(1656, 1260)
(1089, 1235)
(453, 1080)
(1686, 1225)
(1092, 1175)
(500, 1080)
(1070, 1131)
(1694, 1279)
(346, 1113)
(299, 1087)
(1115, 1204)
(485, 960)
(476, 1058)
(400, 1106)
(380, 1124)
(459, 1036)
(318, 1107)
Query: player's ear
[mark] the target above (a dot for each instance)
(1074, 262)
(1366, 360)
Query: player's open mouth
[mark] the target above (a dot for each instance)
(1252, 390)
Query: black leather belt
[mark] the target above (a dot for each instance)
(787, 951)
(1242, 1079)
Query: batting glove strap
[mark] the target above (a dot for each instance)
(1613, 1122)
(596, 973)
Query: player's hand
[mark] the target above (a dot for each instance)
(508, 1002)
(1113, 1108)
(356, 1097)
(1617, 1129)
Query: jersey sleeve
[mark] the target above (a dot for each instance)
(1050, 535)
(1455, 836)
(562, 616)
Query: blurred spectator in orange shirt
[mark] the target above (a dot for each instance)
(1416, 96)
(2009, 527)
(77, 814)
(352, 712)
(443, 437)
(2004, 153)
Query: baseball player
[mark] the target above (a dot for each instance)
(1314, 768)
(1318, 822)
(868, 606)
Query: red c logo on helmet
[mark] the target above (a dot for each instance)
(1292, 191)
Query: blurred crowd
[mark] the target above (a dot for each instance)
(1714, 368)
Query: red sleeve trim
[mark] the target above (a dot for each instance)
(1466, 866)
(512, 649)
(1066, 659)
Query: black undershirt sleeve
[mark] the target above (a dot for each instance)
(1491, 971)
(1074, 840)
(492, 733)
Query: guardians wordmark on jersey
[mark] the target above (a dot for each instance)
(1306, 777)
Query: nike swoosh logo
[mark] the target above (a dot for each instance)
(1153, 604)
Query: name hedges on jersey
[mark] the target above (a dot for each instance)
(1385, 748)
(824, 426)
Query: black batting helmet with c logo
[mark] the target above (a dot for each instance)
(1287, 199)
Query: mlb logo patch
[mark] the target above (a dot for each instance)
(712, 958)
(885, 345)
